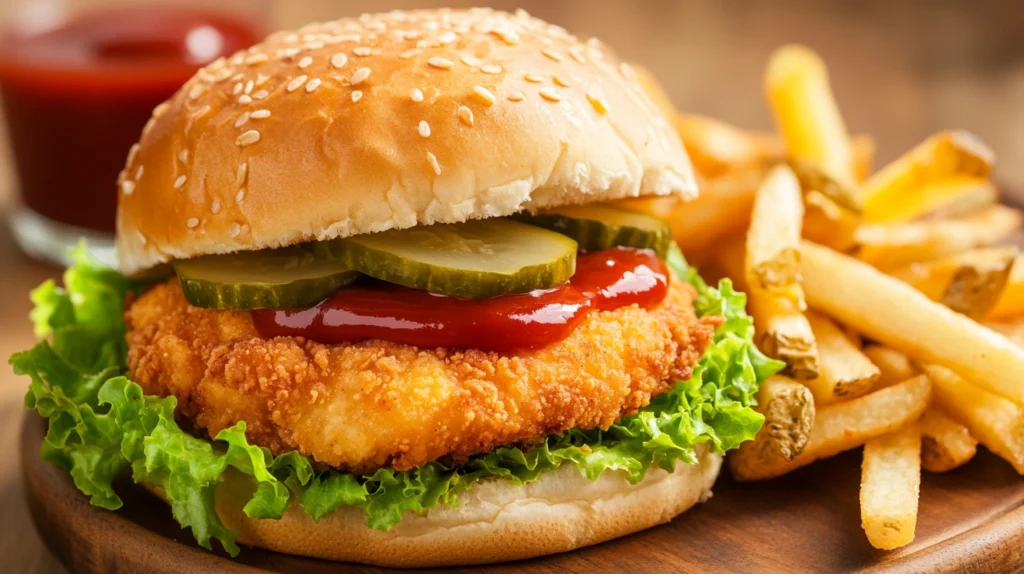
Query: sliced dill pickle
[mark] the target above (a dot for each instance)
(472, 260)
(288, 278)
(597, 227)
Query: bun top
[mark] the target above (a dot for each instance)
(389, 121)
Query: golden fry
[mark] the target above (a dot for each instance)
(952, 197)
(893, 366)
(843, 426)
(797, 89)
(893, 245)
(895, 314)
(970, 282)
(827, 223)
(716, 147)
(722, 210)
(788, 410)
(943, 155)
(945, 443)
(1011, 302)
(773, 239)
(996, 422)
(843, 371)
(783, 333)
(863, 156)
(890, 485)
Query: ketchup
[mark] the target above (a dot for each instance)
(603, 280)
(77, 97)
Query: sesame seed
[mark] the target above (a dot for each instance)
(441, 63)
(627, 71)
(221, 75)
(296, 83)
(256, 59)
(313, 84)
(244, 99)
(260, 95)
(182, 156)
(244, 230)
(313, 45)
(192, 222)
(432, 159)
(560, 81)
(248, 87)
(290, 38)
(287, 53)
(510, 37)
(356, 95)
(127, 187)
(552, 54)
(240, 196)
(237, 89)
(416, 95)
(575, 54)
(491, 69)
(550, 94)
(234, 230)
(360, 76)
(447, 38)
(533, 78)
(248, 138)
(215, 208)
(260, 114)
(484, 95)
(178, 183)
(261, 79)
(424, 129)
(139, 172)
(241, 173)
(599, 104)
(361, 51)
(242, 119)
(196, 91)
(466, 116)
(131, 153)
(237, 77)
(338, 60)
(470, 61)
(516, 97)
(409, 53)
(349, 38)
(201, 112)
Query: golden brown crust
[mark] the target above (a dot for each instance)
(364, 405)
(492, 113)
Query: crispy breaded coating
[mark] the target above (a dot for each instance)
(369, 404)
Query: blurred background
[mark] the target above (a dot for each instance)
(900, 71)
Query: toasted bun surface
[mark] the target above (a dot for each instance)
(495, 521)
(389, 121)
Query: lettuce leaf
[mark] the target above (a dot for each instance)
(101, 424)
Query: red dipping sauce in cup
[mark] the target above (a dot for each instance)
(76, 98)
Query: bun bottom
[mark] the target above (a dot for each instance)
(495, 521)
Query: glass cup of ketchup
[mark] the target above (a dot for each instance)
(78, 81)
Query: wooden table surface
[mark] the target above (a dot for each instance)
(901, 70)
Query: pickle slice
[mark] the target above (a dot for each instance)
(472, 260)
(597, 227)
(288, 278)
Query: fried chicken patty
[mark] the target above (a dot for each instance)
(364, 405)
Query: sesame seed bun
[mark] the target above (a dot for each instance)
(495, 521)
(389, 121)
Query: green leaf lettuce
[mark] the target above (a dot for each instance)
(101, 424)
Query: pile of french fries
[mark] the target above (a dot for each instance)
(893, 296)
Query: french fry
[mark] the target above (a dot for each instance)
(893, 366)
(788, 410)
(722, 210)
(827, 223)
(970, 282)
(782, 332)
(952, 197)
(893, 245)
(863, 147)
(814, 178)
(843, 426)
(895, 314)
(797, 89)
(773, 239)
(939, 157)
(996, 422)
(843, 371)
(945, 443)
(890, 485)
(1011, 329)
(715, 146)
(1011, 302)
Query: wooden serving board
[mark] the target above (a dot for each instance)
(971, 520)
